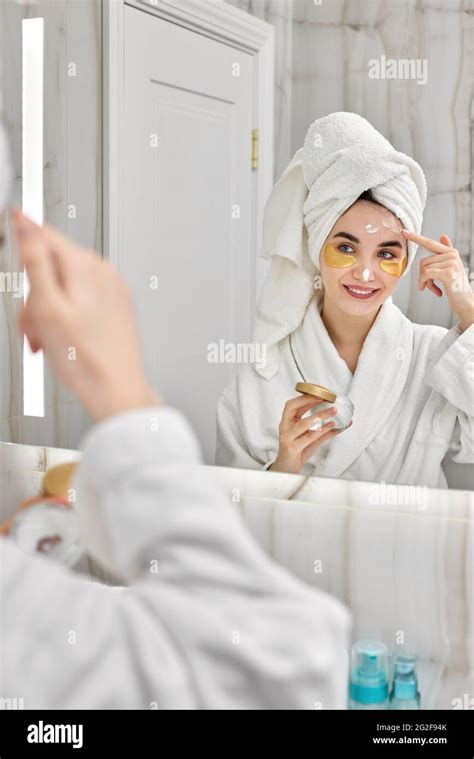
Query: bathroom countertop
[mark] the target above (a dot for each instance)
(408, 499)
(400, 560)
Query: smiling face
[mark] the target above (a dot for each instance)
(363, 258)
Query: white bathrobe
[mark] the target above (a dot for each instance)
(413, 392)
(208, 620)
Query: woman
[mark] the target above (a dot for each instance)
(326, 316)
(143, 505)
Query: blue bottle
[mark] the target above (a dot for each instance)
(404, 694)
(368, 686)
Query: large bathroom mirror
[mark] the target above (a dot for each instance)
(154, 132)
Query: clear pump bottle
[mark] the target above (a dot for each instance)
(368, 687)
(404, 694)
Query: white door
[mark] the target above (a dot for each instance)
(185, 242)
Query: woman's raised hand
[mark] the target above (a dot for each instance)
(298, 437)
(446, 266)
(79, 311)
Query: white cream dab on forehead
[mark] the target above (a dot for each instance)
(391, 223)
(388, 221)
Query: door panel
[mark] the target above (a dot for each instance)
(185, 199)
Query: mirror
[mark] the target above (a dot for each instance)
(160, 146)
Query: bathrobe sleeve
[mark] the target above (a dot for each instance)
(207, 620)
(451, 373)
(231, 448)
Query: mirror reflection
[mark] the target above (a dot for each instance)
(378, 397)
(300, 258)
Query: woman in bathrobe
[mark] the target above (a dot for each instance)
(411, 384)
(167, 640)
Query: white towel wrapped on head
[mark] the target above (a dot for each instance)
(343, 155)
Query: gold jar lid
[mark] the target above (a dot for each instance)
(319, 390)
(57, 480)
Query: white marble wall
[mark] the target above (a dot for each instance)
(72, 183)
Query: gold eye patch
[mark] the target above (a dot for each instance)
(338, 260)
(334, 257)
(395, 266)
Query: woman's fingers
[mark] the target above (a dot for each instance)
(430, 285)
(312, 445)
(26, 329)
(72, 292)
(313, 436)
(446, 241)
(61, 250)
(427, 280)
(44, 288)
(433, 266)
(302, 410)
(443, 262)
(429, 273)
(436, 266)
(426, 242)
(314, 421)
(70, 259)
(294, 408)
(428, 277)
(35, 256)
(297, 440)
(310, 442)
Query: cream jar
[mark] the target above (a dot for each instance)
(47, 523)
(51, 528)
(328, 399)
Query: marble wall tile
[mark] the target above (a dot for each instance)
(336, 13)
(403, 577)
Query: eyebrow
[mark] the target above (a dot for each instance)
(348, 236)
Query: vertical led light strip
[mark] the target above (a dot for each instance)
(32, 197)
